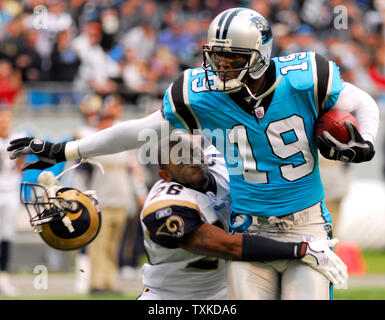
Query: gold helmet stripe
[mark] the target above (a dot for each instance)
(167, 203)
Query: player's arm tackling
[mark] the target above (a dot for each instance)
(213, 241)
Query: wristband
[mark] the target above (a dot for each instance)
(256, 248)
(71, 151)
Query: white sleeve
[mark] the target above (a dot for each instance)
(130, 134)
(363, 107)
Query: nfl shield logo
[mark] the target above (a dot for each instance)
(259, 112)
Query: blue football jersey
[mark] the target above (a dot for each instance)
(269, 148)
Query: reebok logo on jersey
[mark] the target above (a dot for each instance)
(163, 213)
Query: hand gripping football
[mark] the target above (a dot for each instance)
(333, 121)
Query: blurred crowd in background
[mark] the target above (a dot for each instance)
(54, 52)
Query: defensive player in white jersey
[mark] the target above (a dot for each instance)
(183, 220)
(10, 177)
(264, 110)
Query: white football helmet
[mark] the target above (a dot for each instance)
(238, 31)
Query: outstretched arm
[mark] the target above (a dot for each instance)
(126, 135)
(130, 134)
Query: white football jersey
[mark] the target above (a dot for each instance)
(170, 212)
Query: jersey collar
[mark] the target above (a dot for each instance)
(248, 105)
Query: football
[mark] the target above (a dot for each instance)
(333, 121)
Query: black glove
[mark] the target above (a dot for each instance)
(356, 150)
(47, 152)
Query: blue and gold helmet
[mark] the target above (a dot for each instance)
(66, 218)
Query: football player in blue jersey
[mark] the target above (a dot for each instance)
(260, 112)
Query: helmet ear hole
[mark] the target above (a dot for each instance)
(73, 206)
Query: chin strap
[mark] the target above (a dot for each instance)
(83, 160)
(68, 223)
(265, 94)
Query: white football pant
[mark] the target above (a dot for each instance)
(283, 279)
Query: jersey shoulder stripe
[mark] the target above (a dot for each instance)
(327, 82)
(323, 72)
(161, 204)
(178, 98)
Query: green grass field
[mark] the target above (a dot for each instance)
(360, 294)
(351, 294)
(375, 262)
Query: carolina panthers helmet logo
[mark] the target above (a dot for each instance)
(264, 27)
